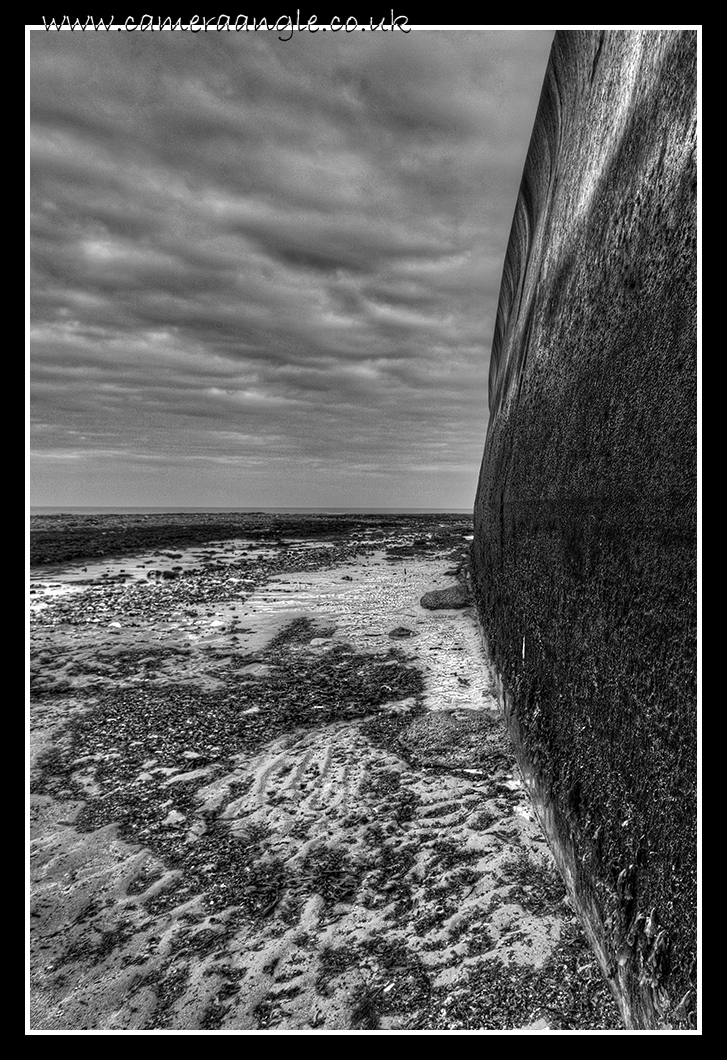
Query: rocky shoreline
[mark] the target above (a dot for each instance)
(256, 806)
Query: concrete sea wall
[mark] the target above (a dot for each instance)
(584, 558)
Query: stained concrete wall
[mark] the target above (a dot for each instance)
(584, 559)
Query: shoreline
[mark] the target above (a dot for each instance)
(245, 816)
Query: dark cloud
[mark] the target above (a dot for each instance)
(266, 272)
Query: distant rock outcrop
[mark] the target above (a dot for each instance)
(584, 558)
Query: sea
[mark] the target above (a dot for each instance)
(64, 509)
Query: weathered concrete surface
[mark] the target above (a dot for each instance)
(584, 556)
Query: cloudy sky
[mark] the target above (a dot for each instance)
(264, 272)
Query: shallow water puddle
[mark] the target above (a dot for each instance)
(41, 593)
(146, 566)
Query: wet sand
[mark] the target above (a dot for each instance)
(254, 808)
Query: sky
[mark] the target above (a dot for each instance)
(265, 272)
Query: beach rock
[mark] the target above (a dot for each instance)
(584, 557)
(174, 817)
(454, 596)
(401, 632)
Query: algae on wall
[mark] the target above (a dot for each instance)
(584, 556)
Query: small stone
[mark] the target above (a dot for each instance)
(174, 817)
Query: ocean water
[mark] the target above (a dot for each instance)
(41, 509)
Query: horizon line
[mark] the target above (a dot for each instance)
(232, 508)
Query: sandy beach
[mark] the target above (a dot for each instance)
(271, 791)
